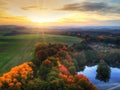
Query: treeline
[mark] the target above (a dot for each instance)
(57, 69)
(90, 36)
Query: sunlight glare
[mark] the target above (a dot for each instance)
(42, 20)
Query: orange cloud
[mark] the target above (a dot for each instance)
(32, 7)
(6, 18)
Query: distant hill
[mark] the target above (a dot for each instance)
(8, 30)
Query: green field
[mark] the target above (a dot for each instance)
(15, 50)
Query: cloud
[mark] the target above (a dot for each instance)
(110, 22)
(6, 18)
(17, 18)
(99, 7)
(3, 5)
(32, 7)
(75, 19)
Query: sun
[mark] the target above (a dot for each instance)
(42, 20)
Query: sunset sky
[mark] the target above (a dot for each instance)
(60, 12)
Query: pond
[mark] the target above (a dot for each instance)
(110, 82)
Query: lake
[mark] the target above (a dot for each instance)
(113, 82)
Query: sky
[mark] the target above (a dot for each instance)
(60, 12)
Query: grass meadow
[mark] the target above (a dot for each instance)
(15, 50)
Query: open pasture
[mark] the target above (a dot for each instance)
(15, 50)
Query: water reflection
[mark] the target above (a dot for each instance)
(103, 72)
(90, 72)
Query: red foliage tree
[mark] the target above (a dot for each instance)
(63, 70)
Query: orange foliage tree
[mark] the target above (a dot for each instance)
(67, 78)
(16, 76)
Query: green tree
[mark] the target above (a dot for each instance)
(103, 72)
